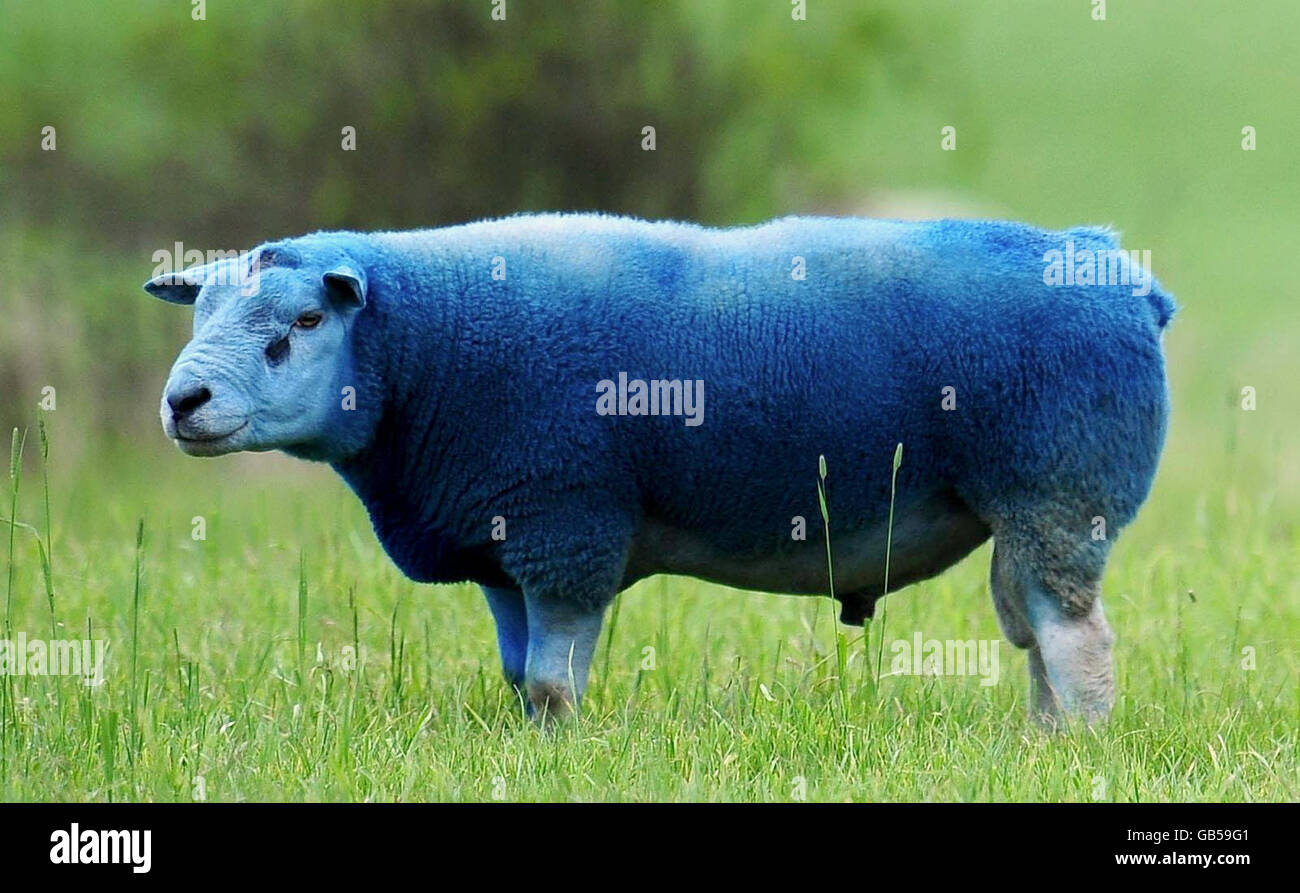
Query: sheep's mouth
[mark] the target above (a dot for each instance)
(211, 438)
(206, 443)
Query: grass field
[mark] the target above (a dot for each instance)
(234, 666)
(284, 657)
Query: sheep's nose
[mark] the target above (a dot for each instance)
(187, 397)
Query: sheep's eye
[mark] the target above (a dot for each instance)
(309, 320)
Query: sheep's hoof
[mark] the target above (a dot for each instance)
(550, 702)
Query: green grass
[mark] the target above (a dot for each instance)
(230, 662)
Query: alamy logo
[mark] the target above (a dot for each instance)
(219, 267)
(654, 397)
(21, 656)
(1112, 266)
(947, 657)
(77, 847)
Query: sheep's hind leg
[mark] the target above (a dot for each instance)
(1076, 654)
(1049, 602)
(1009, 598)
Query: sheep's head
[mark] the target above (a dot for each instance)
(270, 363)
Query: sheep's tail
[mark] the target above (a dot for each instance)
(1103, 237)
(1162, 304)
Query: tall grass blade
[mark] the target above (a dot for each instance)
(889, 542)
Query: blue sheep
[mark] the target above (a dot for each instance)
(557, 406)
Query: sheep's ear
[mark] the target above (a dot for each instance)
(346, 285)
(178, 288)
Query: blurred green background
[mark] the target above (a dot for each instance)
(226, 132)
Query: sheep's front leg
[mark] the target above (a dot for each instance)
(511, 616)
(562, 636)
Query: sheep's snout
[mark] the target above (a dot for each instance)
(185, 398)
(196, 415)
